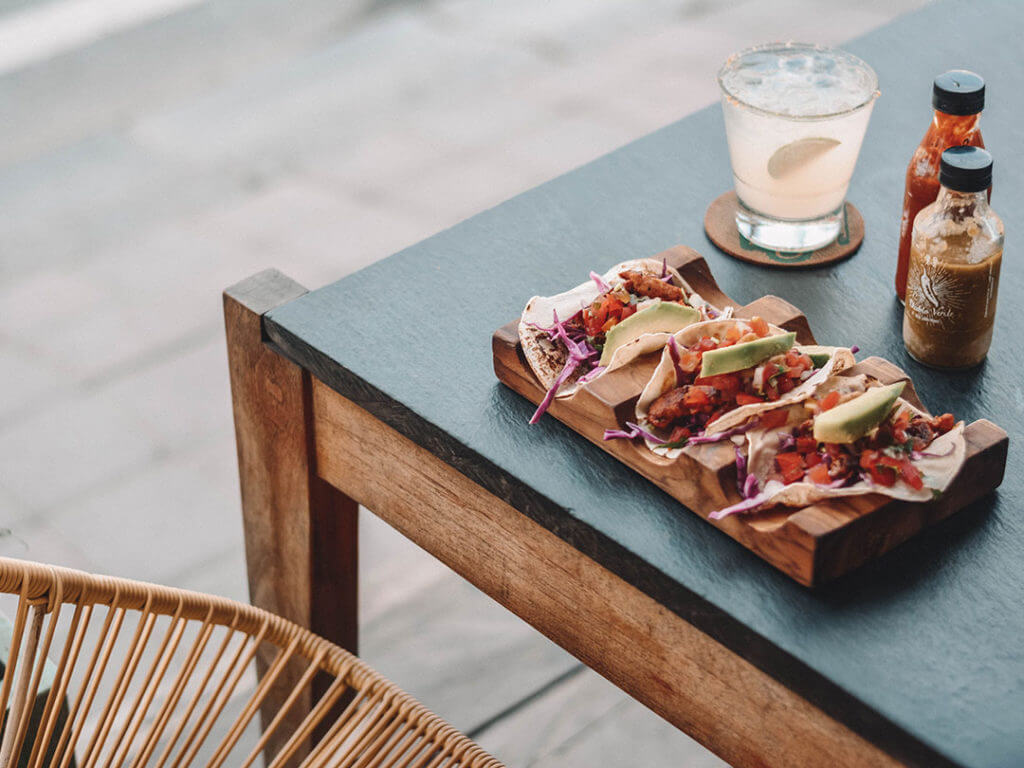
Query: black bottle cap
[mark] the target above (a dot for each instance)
(966, 169)
(959, 92)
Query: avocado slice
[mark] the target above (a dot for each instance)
(853, 419)
(660, 317)
(745, 355)
(819, 355)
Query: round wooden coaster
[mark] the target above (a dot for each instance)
(720, 225)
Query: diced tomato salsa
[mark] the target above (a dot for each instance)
(791, 465)
(886, 456)
(607, 311)
(773, 419)
(612, 307)
(831, 400)
(742, 398)
(695, 400)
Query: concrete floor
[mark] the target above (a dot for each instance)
(154, 152)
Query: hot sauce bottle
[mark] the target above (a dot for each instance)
(958, 97)
(955, 255)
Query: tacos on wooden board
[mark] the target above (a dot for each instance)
(715, 377)
(604, 323)
(852, 436)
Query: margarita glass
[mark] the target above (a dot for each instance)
(795, 118)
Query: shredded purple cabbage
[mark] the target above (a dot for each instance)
(580, 352)
(750, 487)
(599, 281)
(673, 352)
(664, 268)
(592, 374)
(553, 330)
(712, 313)
(717, 436)
(786, 441)
(747, 505)
(854, 349)
(634, 431)
(570, 366)
(644, 433)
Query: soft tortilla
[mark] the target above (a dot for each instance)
(945, 456)
(547, 359)
(664, 378)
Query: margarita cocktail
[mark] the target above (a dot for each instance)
(795, 118)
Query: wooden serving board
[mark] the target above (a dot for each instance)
(812, 544)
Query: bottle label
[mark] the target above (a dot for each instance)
(951, 297)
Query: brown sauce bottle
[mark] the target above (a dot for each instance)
(955, 257)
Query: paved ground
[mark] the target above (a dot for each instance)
(153, 152)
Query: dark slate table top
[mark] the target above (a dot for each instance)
(922, 651)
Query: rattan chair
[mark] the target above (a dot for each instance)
(142, 675)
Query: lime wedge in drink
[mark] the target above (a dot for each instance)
(798, 153)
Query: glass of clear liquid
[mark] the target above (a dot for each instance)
(795, 118)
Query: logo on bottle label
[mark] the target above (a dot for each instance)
(934, 294)
(928, 291)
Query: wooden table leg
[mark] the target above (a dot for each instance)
(300, 533)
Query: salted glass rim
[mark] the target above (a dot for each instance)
(839, 52)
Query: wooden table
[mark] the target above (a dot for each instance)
(378, 389)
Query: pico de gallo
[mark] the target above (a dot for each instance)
(584, 333)
(884, 457)
(694, 401)
(623, 300)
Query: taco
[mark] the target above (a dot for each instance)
(715, 377)
(603, 324)
(851, 437)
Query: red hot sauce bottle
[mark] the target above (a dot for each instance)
(958, 97)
